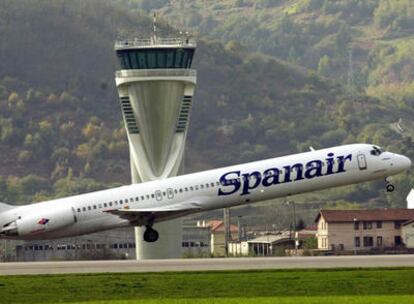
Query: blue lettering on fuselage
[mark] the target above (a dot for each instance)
(235, 181)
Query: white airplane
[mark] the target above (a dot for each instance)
(156, 201)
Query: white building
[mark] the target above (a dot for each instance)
(410, 200)
(111, 244)
(407, 233)
(361, 230)
(196, 241)
(265, 245)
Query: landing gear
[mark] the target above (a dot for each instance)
(150, 235)
(389, 187)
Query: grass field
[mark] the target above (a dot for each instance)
(384, 285)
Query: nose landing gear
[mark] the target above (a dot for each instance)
(150, 235)
(388, 186)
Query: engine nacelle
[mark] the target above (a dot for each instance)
(37, 224)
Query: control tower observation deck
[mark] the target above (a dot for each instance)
(156, 87)
(155, 53)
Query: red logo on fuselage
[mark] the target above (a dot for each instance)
(43, 221)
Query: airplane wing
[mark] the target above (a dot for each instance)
(159, 213)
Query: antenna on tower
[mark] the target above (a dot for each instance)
(154, 22)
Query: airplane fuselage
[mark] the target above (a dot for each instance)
(156, 201)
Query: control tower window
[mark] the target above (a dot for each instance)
(185, 59)
(122, 61)
(128, 61)
(152, 62)
(179, 59)
(155, 58)
(170, 59)
(141, 60)
(134, 61)
(161, 59)
(190, 60)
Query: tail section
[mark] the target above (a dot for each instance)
(5, 207)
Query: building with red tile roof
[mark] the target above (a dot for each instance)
(359, 230)
(218, 226)
(218, 246)
(366, 215)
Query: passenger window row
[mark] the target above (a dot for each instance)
(145, 197)
(84, 246)
(196, 188)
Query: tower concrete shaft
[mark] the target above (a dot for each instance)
(156, 88)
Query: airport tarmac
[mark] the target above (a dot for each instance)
(120, 266)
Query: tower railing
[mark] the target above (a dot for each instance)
(156, 72)
(138, 42)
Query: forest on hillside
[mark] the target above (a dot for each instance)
(372, 39)
(60, 123)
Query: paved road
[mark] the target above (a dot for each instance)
(205, 264)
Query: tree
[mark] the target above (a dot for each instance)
(233, 46)
(3, 189)
(91, 130)
(148, 5)
(310, 243)
(239, 3)
(83, 151)
(24, 156)
(324, 66)
(45, 128)
(292, 56)
(313, 5)
(13, 98)
(6, 130)
(343, 37)
(32, 184)
(52, 99)
(300, 225)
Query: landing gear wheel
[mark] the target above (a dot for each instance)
(150, 235)
(390, 188)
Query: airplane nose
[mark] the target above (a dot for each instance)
(403, 162)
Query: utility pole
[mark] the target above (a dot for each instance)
(226, 222)
(239, 228)
(295, 234)
(4, 251)
(355, 235)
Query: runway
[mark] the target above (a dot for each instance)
(122, 266)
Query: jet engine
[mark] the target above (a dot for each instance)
(33, 224)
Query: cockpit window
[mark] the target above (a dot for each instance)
(376, 151)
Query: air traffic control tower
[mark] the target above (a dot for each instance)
(156, 87)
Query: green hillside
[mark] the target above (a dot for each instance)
(60, 122)
(317, 34)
